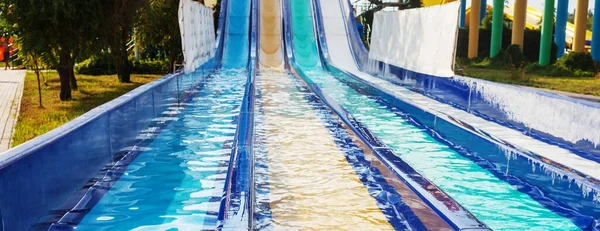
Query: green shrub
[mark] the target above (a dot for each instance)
(514, 56)
(578, 62)
(531, 44)
(150, 66)
(501, 60)
(555, 70)
(102, 64)
(550, 70)
(98, 64)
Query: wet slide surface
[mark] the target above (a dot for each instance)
(303, 37)
(316, 174)
(304, 181)
(178, 180)
(495, 202)
(237, 35)
(271, 54)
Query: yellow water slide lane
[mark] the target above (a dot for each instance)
(271, 54)
(312, 186)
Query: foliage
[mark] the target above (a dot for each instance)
(98, 64)
(120, 16)
(486, 22)
(150, 66)
(33, 62)
(582, 62)
(590, 18)
(414, 4)
(103, 64)
(58, 28)
(157, 25)
(514, 55)
(531, 44)
(550, 70)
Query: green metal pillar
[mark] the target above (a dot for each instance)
(497, 24)
(546, 40)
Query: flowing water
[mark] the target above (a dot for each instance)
(308, 173)
(178, 181)
(493, 201)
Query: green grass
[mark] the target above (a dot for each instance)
(579, 85)
(93, 91)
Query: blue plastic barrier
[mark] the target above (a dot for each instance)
(236, 210)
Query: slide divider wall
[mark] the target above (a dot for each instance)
(237, 204)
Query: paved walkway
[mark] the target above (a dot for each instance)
(11, 90)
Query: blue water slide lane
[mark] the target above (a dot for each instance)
(526, 179)
(236, 52)
(436, 199)
(237, 204)
(105, 129)
(72, 211)
(80, 203)
(221, 30)
(48, 176)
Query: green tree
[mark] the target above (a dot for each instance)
(158, 26)
(414, 4)
(486, 22)
(119, 16)
(590, 18)
(61, 27)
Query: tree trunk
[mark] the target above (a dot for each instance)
(119, 52)
(64, 74)
(37, 73)
(72, 76)
(124, 72)
(172, 62)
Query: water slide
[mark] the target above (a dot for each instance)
(177, 182)
(384, 122)
(291, 126)
(157, 158)
(310, 172)
(348, 58)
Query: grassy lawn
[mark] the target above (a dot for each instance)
(580, 85)
(93, 91)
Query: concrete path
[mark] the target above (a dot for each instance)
(11, 90)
